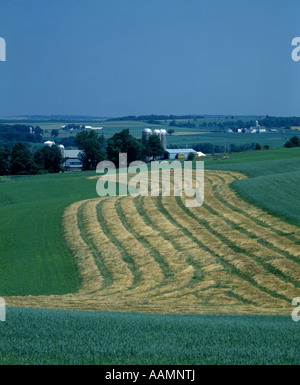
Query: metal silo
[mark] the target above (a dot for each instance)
(49, 143)
(157, 132)
(146, 134)
(163, 138)
(62, 150)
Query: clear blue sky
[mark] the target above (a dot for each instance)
(123, 57)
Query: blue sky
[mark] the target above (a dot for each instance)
(132, 57)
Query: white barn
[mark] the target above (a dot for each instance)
(179, 153)
(73, 161)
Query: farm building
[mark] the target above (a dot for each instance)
(73, 163)
(179, 153)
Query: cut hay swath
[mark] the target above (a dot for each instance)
(153, 254)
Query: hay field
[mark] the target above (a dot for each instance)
(152, 254)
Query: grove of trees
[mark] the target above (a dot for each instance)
(20, 160)
(293, 142)
(20, 133)
(92, 146)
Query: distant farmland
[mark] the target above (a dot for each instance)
(184, 136)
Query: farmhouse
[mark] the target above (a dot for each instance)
(179, 153)
(73, 161)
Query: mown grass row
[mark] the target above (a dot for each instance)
(105, 273)
(250, 261)
(261, 218)
(237, 237)
(229, 268)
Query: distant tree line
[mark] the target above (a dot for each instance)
(20, 133)
(273, 121)
(156, 118)
(187, 124)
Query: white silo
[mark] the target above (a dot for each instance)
(49, 143)
(147, 132)
(157, 132)
(163, 138)
(62, 150)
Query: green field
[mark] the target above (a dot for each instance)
(274, 179)
(278, 193)
(277, 139)
(256, 163)
(62, 337)
(34, 258)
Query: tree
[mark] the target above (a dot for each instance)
(68, 141)
(125, 143)
(191, 156)
(21, 160)
(171, 131)
(48, 159)
(153, 147)
(234, 148)
(4, 161)
(38, 133)
(293, 142)
(39, 161)
(91, 143)
(55, 133)
(257, 146)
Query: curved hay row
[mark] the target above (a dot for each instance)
(260, 244)
(237, 205)
(152, 254)
(235, 263)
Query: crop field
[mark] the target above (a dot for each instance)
(277, 139)
(152, 254)
(45, 337)
(34, 258)
(255, 163)
(279, 193)
(274, 180)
